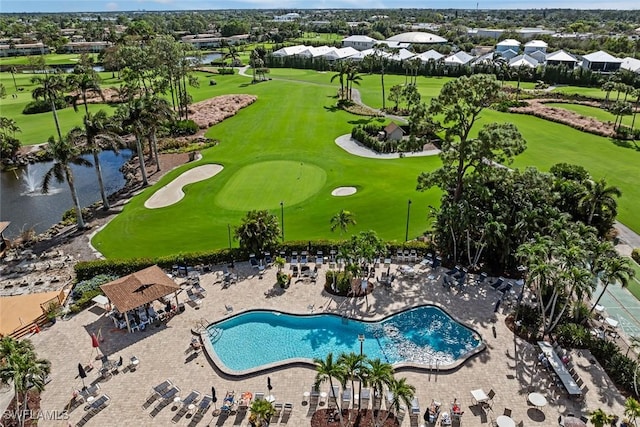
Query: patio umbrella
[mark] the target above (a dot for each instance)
(94, 341)
(214, 399)
(269, 384)
(82, 374)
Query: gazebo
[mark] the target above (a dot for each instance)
(139, 288)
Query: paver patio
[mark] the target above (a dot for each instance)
(506, 366)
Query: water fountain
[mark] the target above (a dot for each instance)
(30, 181)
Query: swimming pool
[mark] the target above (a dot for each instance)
(418, 337)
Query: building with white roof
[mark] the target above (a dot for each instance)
(560, 57)
(361, 55)
(535, 45)
(395, 45)
(601, 61)
(402, 55)
(631, 64)
(523, 61)
(508, 44)
(508, 54)
(290, 50)
(430, 55)
(459, 58)
(359, 42)
(338, 54)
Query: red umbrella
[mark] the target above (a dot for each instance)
(94, 341)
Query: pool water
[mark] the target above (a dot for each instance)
(422, 335)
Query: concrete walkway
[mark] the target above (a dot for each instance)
(352, 146)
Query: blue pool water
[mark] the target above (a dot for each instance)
(422, 335)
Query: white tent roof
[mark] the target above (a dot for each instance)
(459, 58)
(536, 43)
(360, 55)
(342, 53)
(631, 64)
(523, 61)
(561, 56)
(312, 52)
(402, 55)
(291, 50)
(601, 56)
(509, 42)
(430, 55)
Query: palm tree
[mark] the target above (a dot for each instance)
(99, 133)
(379, 375)
(402, 393)
(632, 409)
(13, 71)
(232, 53)
(157, 111)
(615, 269)
(132, 117)
(51, 88)
(607, 87)
(598, 198)
(85, 80)
(342, 220)
(20, 366)
(341, 70)
(636, 94)
(352, 364)
(380, 57)
(599, 418)
(261, 412)
(64, 153)
(327, 369)
(258, 230)
(352, 77)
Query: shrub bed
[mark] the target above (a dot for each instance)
(120, 267)
(636, 255)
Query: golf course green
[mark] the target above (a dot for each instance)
(264, 185)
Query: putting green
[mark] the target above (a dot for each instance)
(264, 185)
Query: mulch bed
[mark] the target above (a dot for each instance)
(33, 404)
(363, 418)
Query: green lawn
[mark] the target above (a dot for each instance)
(50, 59)
(634, 283)
(595, 112)
(289, 133)
(262, 149)
(593, 92)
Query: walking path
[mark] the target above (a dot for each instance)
(354, 147)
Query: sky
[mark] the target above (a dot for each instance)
(11, 6)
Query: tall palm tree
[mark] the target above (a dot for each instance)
(342, 220)
(352, 364)
(51, 87)
(157, 111)
(380, 56)
(607, 87)
(20, 366)
(13, 71)
(352, 78)
(99, 133)
(84, 80)
(132, 117)
(341, 69)
(636, 94)
(401, 393)
(615, 269)
(599, 198)
(64, 153)
(328, 369)
(379, 375)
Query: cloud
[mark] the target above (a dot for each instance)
(112, 6)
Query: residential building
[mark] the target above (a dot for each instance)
(508, 44)
(561, 57)
(524, 60)
(84, 47)
(457, 59)
(359, 42)
(601, 61)
(23, 49)
(535, 45)
(631, 64)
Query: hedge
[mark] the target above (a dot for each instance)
(636, 255)
(120, 267)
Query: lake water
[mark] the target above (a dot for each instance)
(22, 202)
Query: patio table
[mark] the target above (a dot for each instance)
(479, 396)
(537, 400)
(504, 421)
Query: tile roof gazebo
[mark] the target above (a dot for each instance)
(139, 288)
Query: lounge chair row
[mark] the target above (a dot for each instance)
(166, 392)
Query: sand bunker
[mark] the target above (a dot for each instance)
(172, 192)
(344, 191)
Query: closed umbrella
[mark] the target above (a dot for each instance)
(269, 384)
(94, 341)
(82, 374)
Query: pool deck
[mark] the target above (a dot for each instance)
(506, 365)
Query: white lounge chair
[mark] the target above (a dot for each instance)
(415, 407)
(365, 396)
(346, 398)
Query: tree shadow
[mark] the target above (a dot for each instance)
(366, 121)
(332, 108)
(626, 144)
